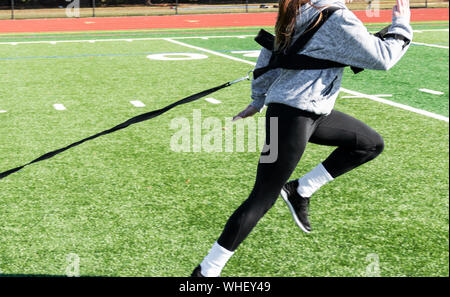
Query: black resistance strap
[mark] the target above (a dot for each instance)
(134, 120)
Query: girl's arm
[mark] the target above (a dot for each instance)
(344, 39)
(263, 83)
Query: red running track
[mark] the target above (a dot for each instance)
(187, 21)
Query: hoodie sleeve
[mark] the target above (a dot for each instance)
(345, 39)
(263, 83)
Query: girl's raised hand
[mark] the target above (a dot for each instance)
(401, 9)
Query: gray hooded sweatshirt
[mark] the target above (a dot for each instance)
(342, 38)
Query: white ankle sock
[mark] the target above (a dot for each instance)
(215, 261)
(313, 181)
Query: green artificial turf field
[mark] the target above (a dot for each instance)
(127, 204)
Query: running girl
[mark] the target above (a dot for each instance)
(303, 102)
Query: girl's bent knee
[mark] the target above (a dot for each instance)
(376, 148)
(379, 145)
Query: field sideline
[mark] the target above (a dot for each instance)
(189, 21)
(129, 205)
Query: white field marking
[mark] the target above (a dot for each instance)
(250, 54)
(371, 97)
(177, 56)
(149, 38)
(59, 106)
(2, 111)
(380, 95)
(172, 39)
(430, 45)
(209, 51)
(427, 30)
(204, 38)
(137, 103)
(427, 44)
(253, 54)
(431, 92)
(431, 30)
(209, 37)
(120, 39)
(384, 95)
(213, 100)
(395, 104)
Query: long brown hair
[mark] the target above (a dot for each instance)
(285, 25)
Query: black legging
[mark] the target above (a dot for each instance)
(356, 144)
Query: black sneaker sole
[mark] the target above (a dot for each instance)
(197, 272)
(284, 195)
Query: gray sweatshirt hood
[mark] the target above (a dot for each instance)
(308, 14)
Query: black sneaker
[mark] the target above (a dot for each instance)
(197, 272)
(297, 204)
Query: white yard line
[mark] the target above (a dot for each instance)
(395, 104)
(378, 95)
(384, 95)
(2, 111)
(421, 31)
(161, 38)
(431, 30)
(174, 40)
(430, 45)
(371, 97)
(121, 39)
(431, 92)
(209, 51)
